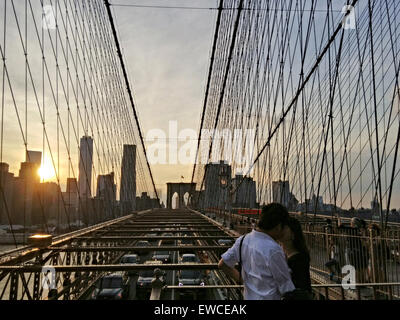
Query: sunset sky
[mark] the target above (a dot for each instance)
(167, 52)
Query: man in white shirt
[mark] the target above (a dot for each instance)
(265, 272)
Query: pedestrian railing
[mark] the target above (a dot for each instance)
(356, 257)
(358, 291)
(365, 255)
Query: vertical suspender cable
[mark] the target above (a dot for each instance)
(210, 71)
(128, 88)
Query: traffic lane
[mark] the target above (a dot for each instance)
(170, 279)
(132, 280)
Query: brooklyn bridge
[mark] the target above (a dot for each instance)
(295, 102)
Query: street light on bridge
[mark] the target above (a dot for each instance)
(40, 240)
(224, 177)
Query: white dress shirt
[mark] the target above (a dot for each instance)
(265, 273)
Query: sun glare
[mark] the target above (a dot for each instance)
(46, 171)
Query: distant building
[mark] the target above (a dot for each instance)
(27, 205)
(244, 192)
(128, 179)
(375, 208)
(30, 168)
(293, 202)
(47, 208)
(29, 172)
(85, 167)
(315, 204)
(6, 197)
(280, 192)
(215, 192)
(144, 202)
(21, 206)
(106, 190)
(72, 185)
(34, 157)
(90, 210)
(71, 202)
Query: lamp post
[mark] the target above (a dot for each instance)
(40, 240)
(225, 185)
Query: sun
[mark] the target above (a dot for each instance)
(46, 171)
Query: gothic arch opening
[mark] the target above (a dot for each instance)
(175, 201)
(186, 197)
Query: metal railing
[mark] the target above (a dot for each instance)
(375, 255)
(375, 258)
(361, 291)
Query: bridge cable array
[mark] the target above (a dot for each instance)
(62, 80)
(304, 94)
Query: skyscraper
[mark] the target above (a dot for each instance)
(71, 200)
(72, 186)
(34, 157)
(106, 191)
(26, 202)
(280, 192)
(30, 168)
(6, 196)
(128, 179)
(215, 192)
(85, 167)
(245, 191)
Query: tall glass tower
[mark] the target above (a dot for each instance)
(85, 167)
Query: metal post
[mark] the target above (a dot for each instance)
(372, 255)
(14, 286)
(358, 293)
(36, 285)
(326, 293)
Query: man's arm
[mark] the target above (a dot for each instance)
(231, 272)
(229, 259)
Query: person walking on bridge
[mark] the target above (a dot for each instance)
(264, 269)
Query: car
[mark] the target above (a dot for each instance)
(167, 234)
(186, 242)
(190, 258)
(142, 243)
(151, 235)
(163, 256)
(191, 278)
(168, 241)
(143, 283)
(114, 286)
(225, 242)
(130, 259)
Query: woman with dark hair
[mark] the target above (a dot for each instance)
(297, 254)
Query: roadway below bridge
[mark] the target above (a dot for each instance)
(186, 237)
(185, 245)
